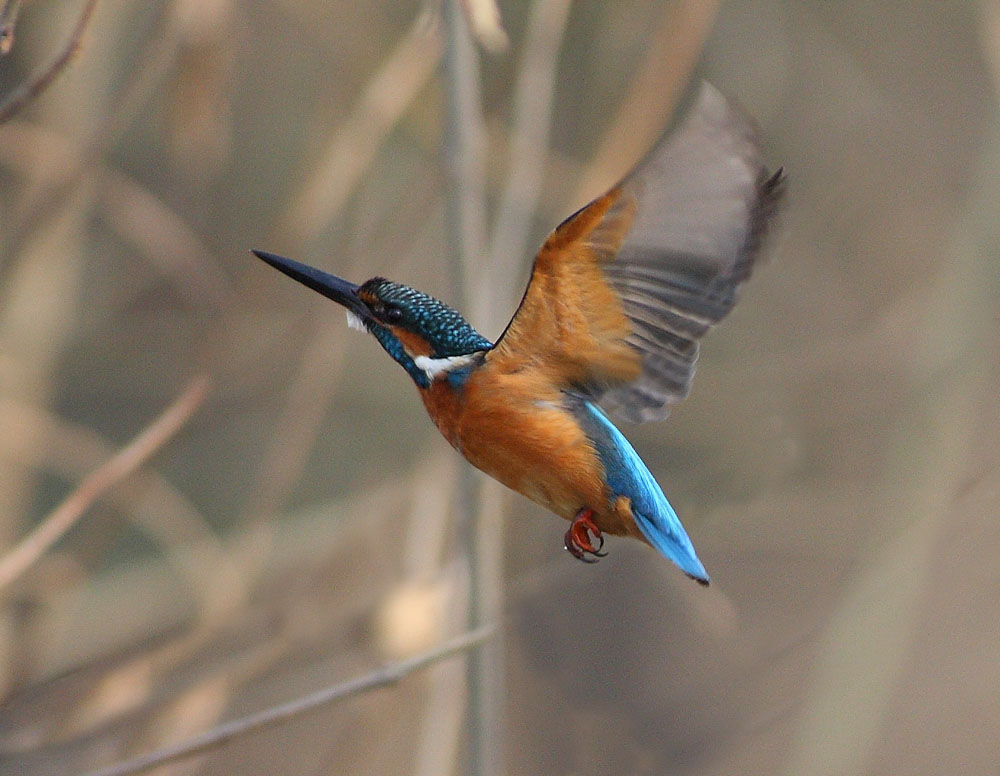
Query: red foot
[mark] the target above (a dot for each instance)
(578, 537)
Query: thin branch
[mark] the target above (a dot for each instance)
(59, 182)
(29, 91)
(307, 397)
(151, 503)
(126, 461)
(383, 677)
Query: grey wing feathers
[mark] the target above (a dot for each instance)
(703, 204)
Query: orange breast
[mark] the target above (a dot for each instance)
(512, 426)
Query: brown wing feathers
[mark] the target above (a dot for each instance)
(621, 292)
(571, 322)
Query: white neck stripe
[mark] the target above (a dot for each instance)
(439, 367)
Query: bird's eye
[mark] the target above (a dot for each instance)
(393, 314)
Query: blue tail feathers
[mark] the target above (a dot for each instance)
(628, 476)
(674, 544)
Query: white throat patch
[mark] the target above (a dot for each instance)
(354, 322)
(439, 367)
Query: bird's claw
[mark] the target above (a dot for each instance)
(578, 540)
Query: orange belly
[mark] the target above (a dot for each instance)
(514, 428)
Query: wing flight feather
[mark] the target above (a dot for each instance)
(622, 290)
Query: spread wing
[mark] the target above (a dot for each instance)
(623, 289)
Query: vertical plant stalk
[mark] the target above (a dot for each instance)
(483, 18)
(464, 152)
(533, 100)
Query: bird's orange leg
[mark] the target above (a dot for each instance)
(578, 537)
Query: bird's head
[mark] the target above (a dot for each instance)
(425, 336)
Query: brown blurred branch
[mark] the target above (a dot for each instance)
(21, 96)
(383, 677)
(465, 149)
(126, 461)
(58, 182)
(161, 235)
(342, 164)
(528, 153)
(386, 96)
(483, 19)
(673, 52)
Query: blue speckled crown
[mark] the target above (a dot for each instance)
(445, 330)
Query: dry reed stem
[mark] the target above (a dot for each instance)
(483, 19)
(23, 95)
(348, 155)
(297, 550)
(528, 152)
(126, 461)
(36, 210)
(383, 677)
(133, 211)
(167, 241)
(307, 397)
(147, 499)
(465, 147)
(673, 53)
(352, 148)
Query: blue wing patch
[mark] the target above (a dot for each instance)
(628, 476)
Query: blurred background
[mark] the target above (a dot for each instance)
(302, 522)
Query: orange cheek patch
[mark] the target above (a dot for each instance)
(414, 343)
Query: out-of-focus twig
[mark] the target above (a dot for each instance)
(127, 460)
(383, 677)
(466, 149)
(350, 151)
(672, 55)
(8, 19)
(348, 154)
(533, 100)
(158, 231)
(167, 241)
(39, 439)
(30, 90)
(39, 207)
(855, 683)
(989, 36)
(307, 397)
(483, 17)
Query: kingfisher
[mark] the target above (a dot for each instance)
(618, 298)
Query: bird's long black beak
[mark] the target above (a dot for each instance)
(339, 290)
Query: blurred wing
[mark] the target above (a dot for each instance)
(623, 289)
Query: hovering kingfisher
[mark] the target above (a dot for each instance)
(619, 295)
